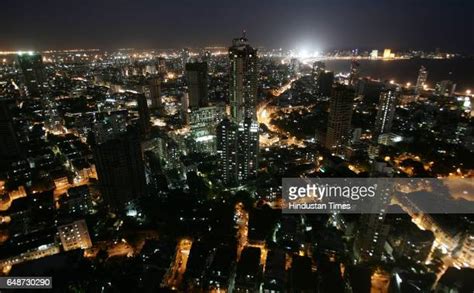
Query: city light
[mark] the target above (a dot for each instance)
(303, 154)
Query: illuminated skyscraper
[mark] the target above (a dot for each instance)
(386, 111)
(237, 138)
(31, 66)
(243, 80)
(247, 155)
(422, 78)
(237, 148)
(370, 239)
(196, 78)
(372, 236)
(226, 135)
(340, 116)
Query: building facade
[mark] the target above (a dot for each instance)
(197, 81)
(386, 111)
(339, 120)
(243, 80)
(120, 168)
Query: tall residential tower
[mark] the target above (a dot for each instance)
(386, 111)
(196, 78)
(238, 137)
(120, 168)
(340, 116)
(243, 80)
(422, 78)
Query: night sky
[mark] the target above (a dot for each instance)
(310, 24)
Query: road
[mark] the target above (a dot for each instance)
(175, 275)
(241, 218)
(264, 114)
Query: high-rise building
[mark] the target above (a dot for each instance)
(339, 120)
(421, 80)
(226, 135)
(144, 115)
(237, 148)
(120, 168)
(372, 235)
(324, 83)
(248, 147)
(9, 143)
(196, 78)
(31, 66)
(75, 236)
(386, 111)
(107, 124)
(203, 122)
(243, 80)
(237, 139)
(354, 75)
(445, 88)
(154, 87)
(318, 68)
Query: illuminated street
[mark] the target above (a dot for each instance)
(265, 111)
(175, 274)
(241, 219)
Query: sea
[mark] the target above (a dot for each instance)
(458, 70)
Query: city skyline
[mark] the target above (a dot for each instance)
(237, 168)
(312, 25)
